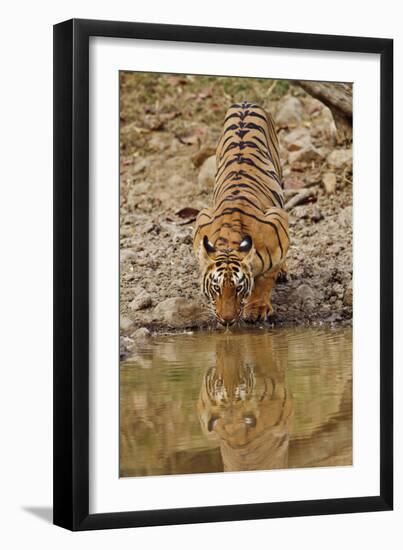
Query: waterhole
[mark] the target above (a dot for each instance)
(237, 401)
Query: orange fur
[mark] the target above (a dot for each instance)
(242, 240)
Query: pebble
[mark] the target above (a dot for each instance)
(126, 254)
(348, 295)
(307, 154)
(303, 296)
(143, 301)
(140, 165)
(141, 188)
(141, 333)
(338, 290)
(329, 181)
(297, 139)
(316, 215)
(346, 216)
(341, 159)
(125, 323)
(179, 312)
(290, 112)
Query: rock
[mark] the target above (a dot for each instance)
(348, 295)
(324, 151)
(179, 313)
(158, 142)
(303, 296)
(325, 131)
(300, 212)
(207, 172)
(175, 181)
(329, 181)
(307, 154)
(337, 290)
(297, 139)
(341, 159)
(302, 196)
(143, 301)
(346, 217)
(126, 346)
(140, 188)
(334, 249)
(147, 227)
(314, 106)
(290, 112)
(316, 215)
(185, 236)
(140, 165)
(125, 323)
(126, 254)
(141, 334)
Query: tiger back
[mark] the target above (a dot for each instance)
(241, 241)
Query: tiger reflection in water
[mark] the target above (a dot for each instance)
(245, 403)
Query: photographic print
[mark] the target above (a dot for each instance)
(236, 299)
(204, 306)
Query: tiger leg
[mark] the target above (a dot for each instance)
(258, 306)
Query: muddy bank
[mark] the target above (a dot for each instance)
(169, 128)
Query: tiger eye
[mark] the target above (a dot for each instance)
(250, 420)
(211, 423)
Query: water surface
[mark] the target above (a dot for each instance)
(237, 401)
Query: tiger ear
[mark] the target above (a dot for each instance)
(246, 244)
(205, 249)
(208, 247)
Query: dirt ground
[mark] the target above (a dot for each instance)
(169, 127)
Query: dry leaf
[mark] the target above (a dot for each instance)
(127, 162)
(298, 166)
(194, 136)
(303, 196)
(156, 122)
(187, 212)
(204, 94)
(175, 80)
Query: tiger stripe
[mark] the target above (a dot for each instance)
(244, 235)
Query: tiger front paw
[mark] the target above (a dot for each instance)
(282, 277)
(258, 311)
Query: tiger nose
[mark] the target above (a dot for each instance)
(227, 318)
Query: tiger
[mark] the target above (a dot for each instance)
(241, 241)
(245, 403)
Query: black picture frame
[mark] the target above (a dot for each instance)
(71, 274)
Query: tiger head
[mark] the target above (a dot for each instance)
(227, 278)
(244, 401)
